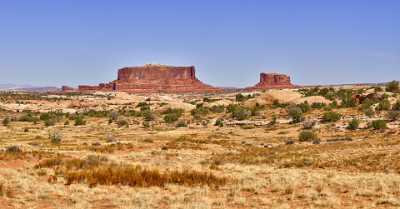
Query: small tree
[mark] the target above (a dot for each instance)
(79, 120)
(354, 124)
(384, 105)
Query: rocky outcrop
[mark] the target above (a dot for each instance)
(273, 81)
(154, 79)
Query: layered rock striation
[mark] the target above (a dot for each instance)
(154, 79)
(273, 81)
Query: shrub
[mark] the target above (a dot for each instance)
(396, 106)
(181, 124)
(148, 115)
(13, 149)
(217, 108)
(49, 122)
(307, 136)
(347, 98)
(6, 121)
(369, 112)
(393, 115)
(200, 111)
(305, 107)
(79, 121)
(172, 115)
(219, 122)
(318, 105)
(28, 118)
(379, 124)
(331, 116)
(353, 124)
(296, 114)
(392, 86)
(122, 123)
(241, 113)
(241, 97)
(384, 105)
(55, 137)
(309, 124)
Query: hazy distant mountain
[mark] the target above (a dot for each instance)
(27, 88)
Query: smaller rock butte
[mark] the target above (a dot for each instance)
(273, 81)
(153, 79)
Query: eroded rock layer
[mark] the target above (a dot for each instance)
(154, 79)
(273, 81)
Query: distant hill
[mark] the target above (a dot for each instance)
(27, 88)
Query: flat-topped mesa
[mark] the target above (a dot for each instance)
(273, 81)
(155, 79)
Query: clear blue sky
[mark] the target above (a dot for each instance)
(55, 42)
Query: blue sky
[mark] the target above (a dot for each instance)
(47, 42)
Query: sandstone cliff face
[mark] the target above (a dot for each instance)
(155, 79)
(273, 81)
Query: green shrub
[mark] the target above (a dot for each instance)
(241, 97)
(392, 86)
(296, 114)
(79, 120)
(6, 121)
(241, 113)
(318, 105)
(305, 107)
(384, 105)
(28, 117)
(393, 115)
(55, 137)
(219, 122)
(307, 136)
(172, 115)
(148, 115)
(181, 124)
(396, 106)
(331, 117)
(379, 124)
(122, 123)
(217, 108)
(353, 124)
(200, 111)
(50, 122)
(369, 112)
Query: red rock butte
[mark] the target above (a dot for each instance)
(273, 81)
(154, 79)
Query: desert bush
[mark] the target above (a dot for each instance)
(396, 106)
(181, 124)
(296, 114)
(219, 122)
(79, 120)
(384, 105)
(318, 105)
(148, 115)
(172, 115)
(353, 124)
(393, 115)
(240, 113)
(392, 86)
(55, 137)
(347, 98)
(331, 117)
(6, 121)
(369, 112)
(242, 98)
(200, 111)
(122, 123)
(217, 108)
(307, 136)
(144, 106)
(379, 124)
(13, 149)
(28, 117)
(305, 107)
(50, 122)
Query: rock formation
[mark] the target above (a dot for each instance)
(273, 81)
(154, 79)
